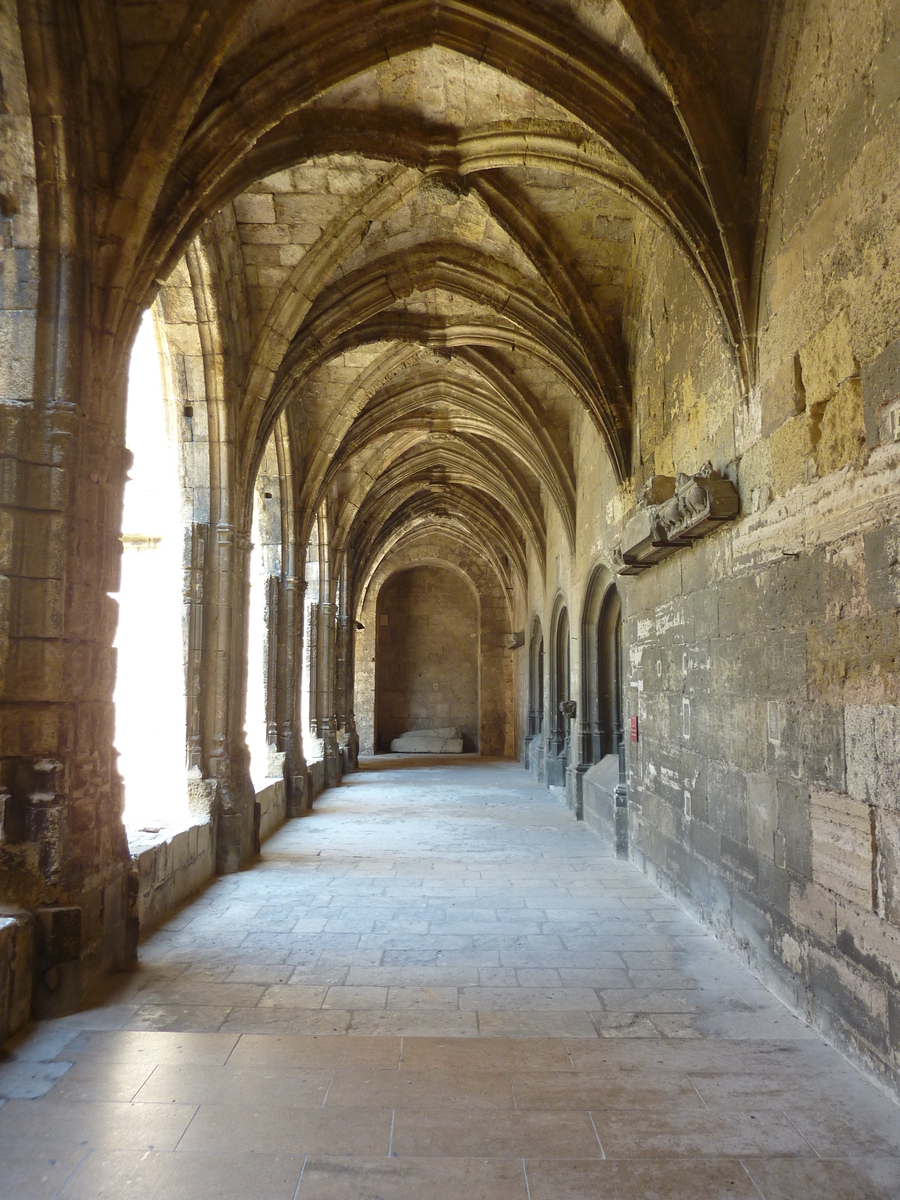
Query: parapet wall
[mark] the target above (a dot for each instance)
(16, 970)
(173, 870)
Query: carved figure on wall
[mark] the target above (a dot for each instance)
(673, 512)
(695, 498)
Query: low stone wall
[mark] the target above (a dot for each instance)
(600, 797)
(316, 771)
(272, 801)
(533, 757)
(172, 870)
(16, 970)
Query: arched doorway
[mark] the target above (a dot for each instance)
(601, 725)
(609, 682)
(534, 738)
(604, 799)
(561, 682)
(426, 656)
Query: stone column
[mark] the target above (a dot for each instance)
(290, 646)
(224, 677)
(193, 598)
(326, 668)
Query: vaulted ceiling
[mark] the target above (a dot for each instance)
(425, 219)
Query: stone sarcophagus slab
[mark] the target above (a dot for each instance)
(672, 513)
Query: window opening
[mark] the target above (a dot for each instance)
(257, 646)
(149, 694)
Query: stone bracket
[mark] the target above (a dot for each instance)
(673, 513)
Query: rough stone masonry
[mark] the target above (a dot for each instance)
(444, 287)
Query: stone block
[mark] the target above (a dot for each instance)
(842, 434)
(785, 275)
(857, 1000)
(781, 400)
(146, 869)
(880, 390)
(872, 735)
(855, 661)
(842, 846)
(886, 79)
(427, 741)
(726, 790)
(256, 209)
(826, 226)
(887, 863)
(114, 906)
(762, 814)
(58, 934)
(201, 796)
(811, 745)
(882, 551)
(793, 800)
(793, 451)
(738, 610)
(894, 1020)
(16, 969)
(161, 870)
(204, 840)
(58, 974)
(870, 941)
(828, 360)
(179, 851)
(814, 908)
(846, 133)
(17, 346)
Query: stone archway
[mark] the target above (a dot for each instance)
(427, 655)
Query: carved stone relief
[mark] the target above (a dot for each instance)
(672, 513)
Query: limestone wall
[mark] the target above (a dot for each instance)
(496, 661)
(465, 282)
(763, 665)
(426, 655)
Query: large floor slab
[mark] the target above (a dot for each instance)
(438, 984)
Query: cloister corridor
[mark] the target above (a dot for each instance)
(437, 985)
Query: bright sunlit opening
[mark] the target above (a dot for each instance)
(255, 722)
(149, 695)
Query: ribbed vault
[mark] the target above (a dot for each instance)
(419, 231)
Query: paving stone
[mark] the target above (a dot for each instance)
(691, 1070)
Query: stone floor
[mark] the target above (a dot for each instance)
(438, 985)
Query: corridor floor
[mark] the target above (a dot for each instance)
(438, 985)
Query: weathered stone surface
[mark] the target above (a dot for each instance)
(843, 846)
(428, 741)
(429, 327)
(873, 753)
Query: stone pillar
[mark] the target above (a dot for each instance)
(193, 597)
(312, 657)
(577, 770)
(62, 841)
(290, 644)
(326, 667)
(622, 806)
(228, 759)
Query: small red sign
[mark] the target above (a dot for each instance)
(634, 733)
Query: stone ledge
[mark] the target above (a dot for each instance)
(171, 870)
(16, 969)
